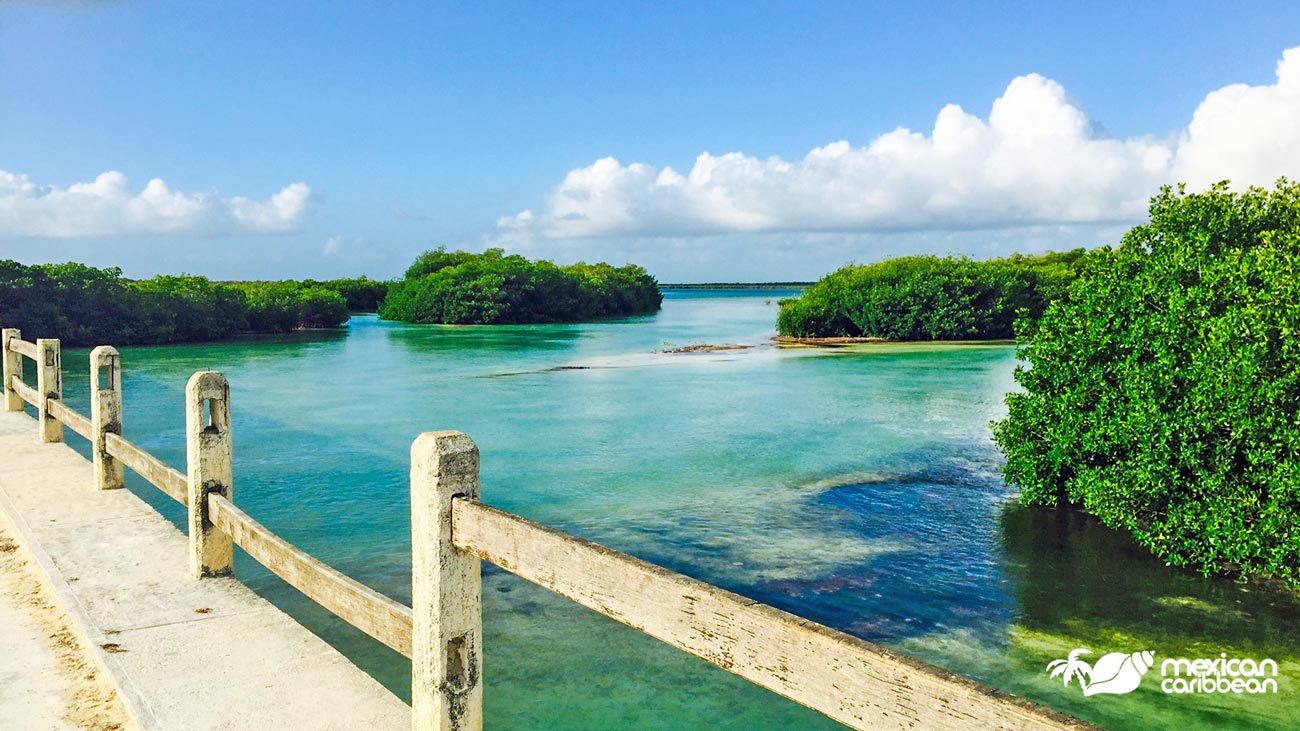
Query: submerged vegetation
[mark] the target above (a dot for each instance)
(1162, 393)
(930, 298)
(83, 305)
(458, 287)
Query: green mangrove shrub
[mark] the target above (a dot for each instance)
(361, 294)
(283, 306)
(930, 298)
(83, 305)
(1162, 393)
(459, 287)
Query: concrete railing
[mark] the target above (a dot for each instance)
(859, 684)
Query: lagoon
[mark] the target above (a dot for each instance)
(857, 487)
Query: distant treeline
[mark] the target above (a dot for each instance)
(931, 298)
(82, 305)
(458, 287)
(361, 294)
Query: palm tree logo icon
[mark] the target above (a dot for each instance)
(1072, 668)
(1115, 673)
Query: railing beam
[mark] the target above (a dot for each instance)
(70, 418)
(446, 589)
(384, 619)
(49, 383)
(208, 454)
(158, 473)
(28, 394)
(105, 416)
(13, 368)
(861, 685)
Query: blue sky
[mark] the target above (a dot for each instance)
(324, 139)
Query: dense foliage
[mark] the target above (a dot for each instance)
(361, 294)
(283, 306)
(458, 287)
(930, 298)
(1163, 393)
(82, 305)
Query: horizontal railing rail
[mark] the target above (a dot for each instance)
(69, 418)
(22, 347)
(158, 473)
(846, 678)
(26, 393)
(860, 684)
(384, 619)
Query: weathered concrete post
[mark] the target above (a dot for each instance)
(105, 416)
(49, 382)
(13, 366)
(208, 455)
(447, 643)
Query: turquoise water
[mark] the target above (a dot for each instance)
(856, 486)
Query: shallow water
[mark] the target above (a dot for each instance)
(856, 486)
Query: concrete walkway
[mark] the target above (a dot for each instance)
(184, 654)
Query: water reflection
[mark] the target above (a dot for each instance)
(1070, 571)
(488, 340)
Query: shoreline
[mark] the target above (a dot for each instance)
(842, 341)
(704, 348)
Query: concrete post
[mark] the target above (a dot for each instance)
(13, 366)
(105, 416)
(446, 589)
(49, 383)
(208, 456)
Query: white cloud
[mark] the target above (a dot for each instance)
(281, 212)
(332, 245)
(1248, 134)
(107, 206)
(1036, 160)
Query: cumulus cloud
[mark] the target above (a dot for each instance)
(1247, 134)
(108, 206)
(1038, 159)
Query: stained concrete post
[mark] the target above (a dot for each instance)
(13, 366)
(49, 383)
(208, 456)
(446, 589)
(105, 416)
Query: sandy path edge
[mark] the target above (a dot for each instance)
(92, 701)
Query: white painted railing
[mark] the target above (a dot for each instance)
(859, 684)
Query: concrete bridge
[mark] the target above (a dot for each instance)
(189, 647)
